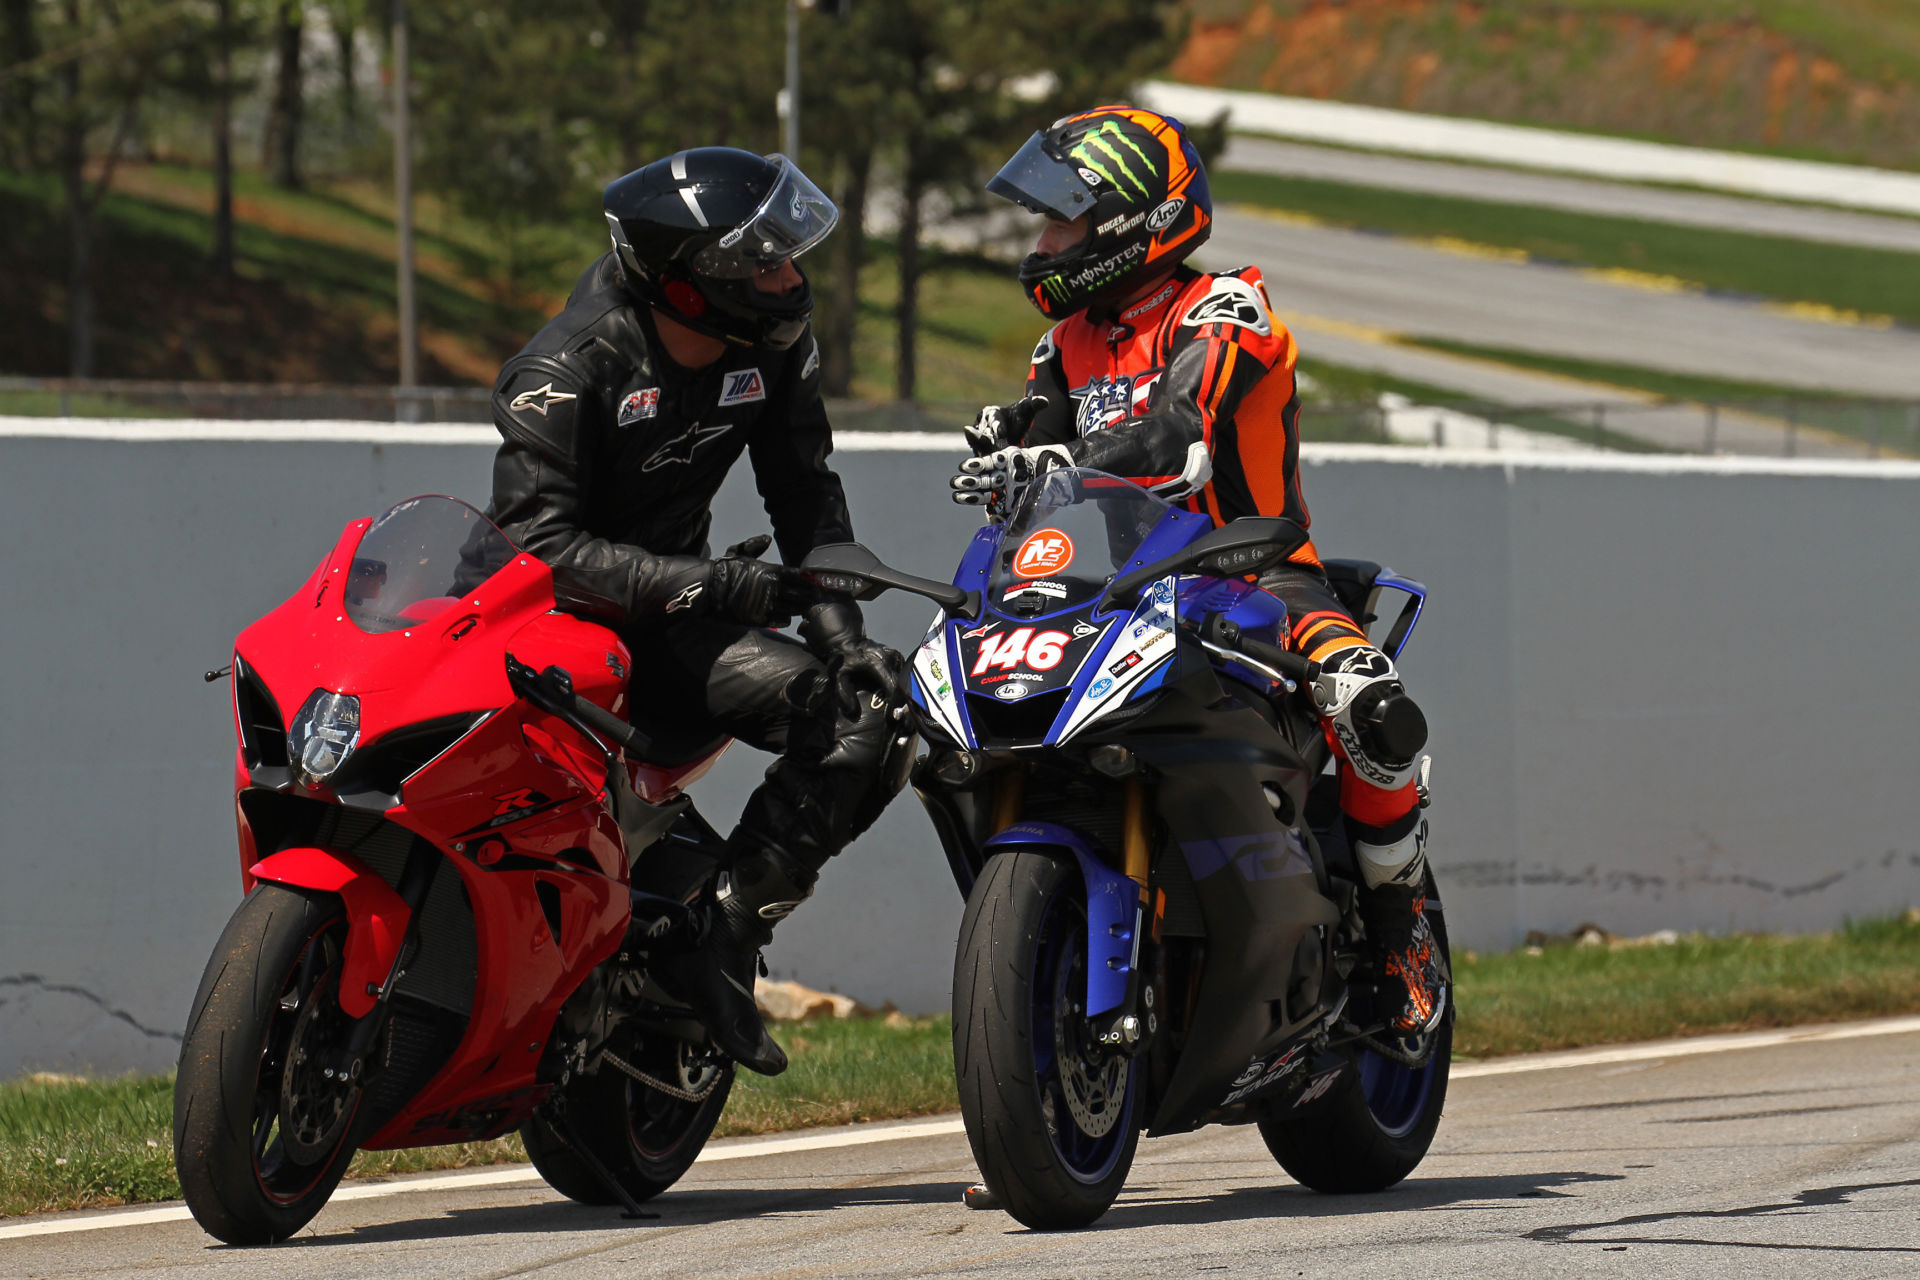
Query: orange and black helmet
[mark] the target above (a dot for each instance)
(1137, 180)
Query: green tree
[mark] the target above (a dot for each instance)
(942, 91)
(91, 65)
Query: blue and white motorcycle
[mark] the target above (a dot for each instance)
(1134, 793)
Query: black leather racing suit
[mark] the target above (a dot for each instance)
(610, 460)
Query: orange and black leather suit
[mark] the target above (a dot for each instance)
(1191, 392)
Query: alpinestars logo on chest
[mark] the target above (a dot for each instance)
(683, 446)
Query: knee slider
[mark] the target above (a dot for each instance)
(1379, 727)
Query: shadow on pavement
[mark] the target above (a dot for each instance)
(693, 1206)
(1138, 1208)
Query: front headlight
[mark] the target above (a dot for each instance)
(322, 736)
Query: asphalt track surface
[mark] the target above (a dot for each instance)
(1796, 1159)
(1386, 285)
(1578, 195)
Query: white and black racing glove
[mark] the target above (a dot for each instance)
(992, 480)
(1000, 425)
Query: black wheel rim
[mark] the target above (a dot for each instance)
(659, 1124)
(301, 1117)
(1059, 996)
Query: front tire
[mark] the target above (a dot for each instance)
(645, 1139)
(1374, 1128)
(261, 1131)
(1049, 1115)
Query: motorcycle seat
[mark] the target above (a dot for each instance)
(1352, 582)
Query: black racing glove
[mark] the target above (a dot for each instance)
(1000, 425)
(836, 633)
(740, 587)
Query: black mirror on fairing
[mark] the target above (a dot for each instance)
(848, 568)
(1239, 547)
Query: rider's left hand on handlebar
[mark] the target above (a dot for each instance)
(987, 480)
(836, 632)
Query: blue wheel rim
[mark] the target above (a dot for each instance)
(1059, 980)
(1396, 1095)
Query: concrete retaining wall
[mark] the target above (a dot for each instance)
(1665, 694)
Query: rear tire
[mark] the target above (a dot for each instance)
(1024, 1063)
(260, 1137)
(1375, 1126)
(644, 1138)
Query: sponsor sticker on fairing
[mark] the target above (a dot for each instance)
(1010, 692)
(1044, 553)
(1100, 688)
(742, 386)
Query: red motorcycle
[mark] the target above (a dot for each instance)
(458, 857)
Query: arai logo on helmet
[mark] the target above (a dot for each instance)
(1162, 218)
(1010, 692)
(1046, 552)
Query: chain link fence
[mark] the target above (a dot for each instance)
(1814, 426)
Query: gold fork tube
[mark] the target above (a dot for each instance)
(1007, 798)
(1134, 835)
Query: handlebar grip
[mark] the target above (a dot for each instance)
(1229, 636)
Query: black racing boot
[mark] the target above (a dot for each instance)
(760, 887)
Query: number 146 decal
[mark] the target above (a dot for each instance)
(1006, 651)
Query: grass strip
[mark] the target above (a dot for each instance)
(1868, 282)
(67, 1144)
(1566, 995)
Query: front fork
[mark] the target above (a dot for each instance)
(1123, 921)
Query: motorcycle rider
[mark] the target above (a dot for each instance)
(1184, 382)
(685, 345)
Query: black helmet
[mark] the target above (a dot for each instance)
(692, 230)
(1139, 182)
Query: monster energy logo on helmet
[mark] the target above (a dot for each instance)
(1100, 147)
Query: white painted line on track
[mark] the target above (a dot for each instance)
(863, 1135)
(1693, 1046)
(481, 1179)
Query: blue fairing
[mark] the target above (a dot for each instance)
(1111, 899)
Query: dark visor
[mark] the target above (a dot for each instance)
(794, 217)
(1043, 182)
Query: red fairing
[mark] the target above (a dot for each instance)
(376, 917)
(517, 807)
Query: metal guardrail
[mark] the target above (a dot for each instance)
(1812, 426)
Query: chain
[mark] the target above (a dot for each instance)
(671, 1090)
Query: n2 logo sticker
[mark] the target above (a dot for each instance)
(1043, 555)
(1006, 651)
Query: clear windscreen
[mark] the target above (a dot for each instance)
(418, 559)
(794, 217)
(1066, 536)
